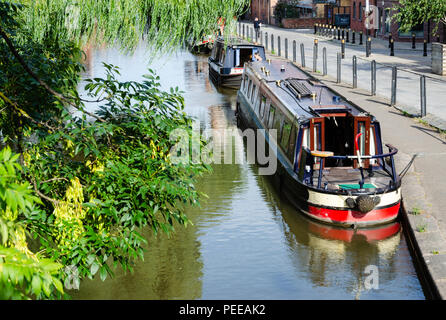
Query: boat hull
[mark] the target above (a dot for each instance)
(325, 207)
(225, 80)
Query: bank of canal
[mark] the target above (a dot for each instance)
(246, 242)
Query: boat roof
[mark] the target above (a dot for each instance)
(237, 42)
(296, 89)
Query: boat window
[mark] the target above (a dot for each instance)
(262, 106)
(252, 93)
(285, 136)
(292, 144)
(245, 83)
(277, 123)
(237, 58)
(272, 110)
(249, 88)
(222, 55)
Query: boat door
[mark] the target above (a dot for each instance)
(317, 134)
(362, 125)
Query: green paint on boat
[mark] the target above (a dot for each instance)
(356, 186)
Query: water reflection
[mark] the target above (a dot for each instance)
(247, 242)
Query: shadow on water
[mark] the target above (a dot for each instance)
(247, 242)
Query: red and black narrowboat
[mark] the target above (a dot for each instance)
(331, 161)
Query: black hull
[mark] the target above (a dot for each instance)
(228, 81)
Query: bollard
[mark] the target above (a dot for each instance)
(348, 36)
(360, 38)
(390, 38)
(315, 28)
(257, 36)
(279, 47)
(294, 51)
(392, 48)
(286, 48)
(333, 30)
(343, 33)
(316, 46)
(369, 47)
(243, 33)
(355, 72)
(413, 41)
(338, 77)
(425, 48)
(324, 61)
(339, 33)
(394, 78)
(302, 55)
(353, 37)
(423, 95)
(272, 43)
(373, 83)
(266, 40)
(315, 56)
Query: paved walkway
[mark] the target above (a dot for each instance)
(424, 185)
(411, 64)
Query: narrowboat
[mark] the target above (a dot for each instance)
(331, 161)
(203, 45)
(227, 60)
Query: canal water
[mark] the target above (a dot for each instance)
(247, 242)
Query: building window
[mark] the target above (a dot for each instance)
(354, 10)
(360, 12)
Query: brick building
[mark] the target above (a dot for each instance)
(385, 25)
(264, 10)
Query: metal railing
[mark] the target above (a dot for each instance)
(408, 89)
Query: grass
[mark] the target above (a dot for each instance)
(415, 211)
(435, 252)
(422, 228)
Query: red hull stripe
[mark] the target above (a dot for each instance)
(347, 235)
(352, 216)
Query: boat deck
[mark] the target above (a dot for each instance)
(348, 178)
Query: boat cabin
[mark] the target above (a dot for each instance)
(322, 138)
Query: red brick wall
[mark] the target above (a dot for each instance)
(301, 23)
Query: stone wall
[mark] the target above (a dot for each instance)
(301, 23)
(439, 58)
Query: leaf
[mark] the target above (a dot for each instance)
(94, 268)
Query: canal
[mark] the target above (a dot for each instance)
(247, 242)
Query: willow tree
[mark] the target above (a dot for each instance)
(410, 13)
(83, 185)
(165, 23)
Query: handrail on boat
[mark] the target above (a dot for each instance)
(392, 152)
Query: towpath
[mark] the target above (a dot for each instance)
(410, 62)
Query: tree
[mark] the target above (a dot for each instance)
(410, 13)
(84, 185)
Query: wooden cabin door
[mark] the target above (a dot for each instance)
(362, 125)
(317, 134)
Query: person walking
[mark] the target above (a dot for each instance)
(257, 27)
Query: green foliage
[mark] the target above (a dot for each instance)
(166, 23)
(23, 275)
(410, 13)
(97, 181)
(284, 9)
(124, 171)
